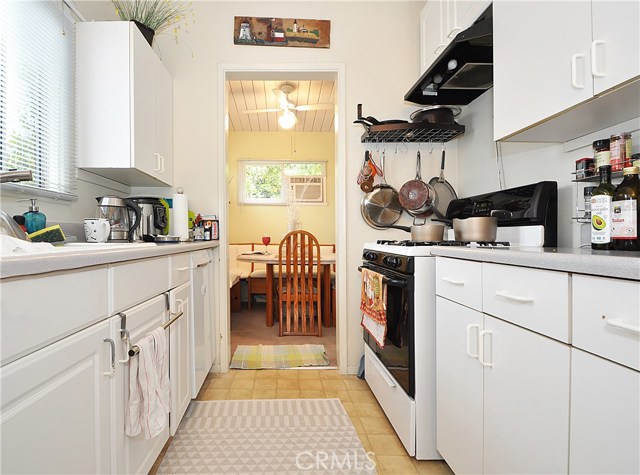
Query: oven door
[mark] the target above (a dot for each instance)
(398, 352)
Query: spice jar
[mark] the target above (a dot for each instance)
(635, 160)
(618, 150)
(584, 168)
(628, 146)
(601, 153)
(588, 191)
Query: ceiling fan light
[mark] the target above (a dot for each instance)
(287, 119)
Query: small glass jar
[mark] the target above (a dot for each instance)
(618, 150)
(601, 153)
(628, 147)
(588, 191)
(635, 160)
(584, 168)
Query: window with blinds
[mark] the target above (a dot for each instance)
(37, 86)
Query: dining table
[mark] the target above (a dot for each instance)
(270, 259)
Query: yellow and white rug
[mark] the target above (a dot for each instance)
(278, 356)
(267, 436)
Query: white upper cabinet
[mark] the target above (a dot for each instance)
(441, 21)
(550, 57)
(124, 106)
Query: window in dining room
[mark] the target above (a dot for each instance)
(278, 182)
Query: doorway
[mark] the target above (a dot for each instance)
(246, 327)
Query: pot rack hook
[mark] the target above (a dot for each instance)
(405, 147)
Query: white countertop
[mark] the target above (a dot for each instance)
(86, 256)
(618, 264)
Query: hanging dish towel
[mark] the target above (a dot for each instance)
(373, 303)
(149, 399)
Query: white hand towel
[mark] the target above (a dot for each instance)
(149, 399)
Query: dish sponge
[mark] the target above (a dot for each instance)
(50, 234)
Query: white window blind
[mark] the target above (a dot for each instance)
(37, 88)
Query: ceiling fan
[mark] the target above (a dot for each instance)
(282, 96)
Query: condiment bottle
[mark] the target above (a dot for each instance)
(625, 209)
(601, 153)
(34, 220)
(618, 150)
(601, 211)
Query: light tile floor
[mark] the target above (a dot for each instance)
(373, 428)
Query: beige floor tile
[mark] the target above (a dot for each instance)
(220, 383)
(355, 384)
(365, 442)
(264, 394)
(242, 384)
(358, 426)
(309, 374)
(342, 395)
(395, 464)
(351, 409)
(265, 384)
(287, 393)
(267, 374)
(311, 384)
(362, 396)
(288, 374)
(334, 385)
(240, 394)
(246, 373)
(329, 374)
(214, 395)
(386, 445)
(432, 467)
(368, 409)
(376, 425)
(312, 394)
(288, 384)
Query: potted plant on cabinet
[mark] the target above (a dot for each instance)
(153, 16)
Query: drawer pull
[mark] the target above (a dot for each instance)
(481, 352)
(624, 326)
(452, 281)
(384, 373)
(469, 327)
(516, 298)
(181, 269)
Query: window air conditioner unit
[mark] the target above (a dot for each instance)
(305, 189)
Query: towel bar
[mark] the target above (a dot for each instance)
(135, 349)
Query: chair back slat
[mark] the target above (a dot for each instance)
(299, 289)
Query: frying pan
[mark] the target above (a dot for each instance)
(444, 192)
(380, 208)
(416, 196)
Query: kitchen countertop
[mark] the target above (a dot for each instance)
(618, 264)
(84, 257)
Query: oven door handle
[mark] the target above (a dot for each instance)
(389, 281)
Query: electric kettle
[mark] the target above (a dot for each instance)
(153, 218)
(116, 210)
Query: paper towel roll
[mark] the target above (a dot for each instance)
(180, 218)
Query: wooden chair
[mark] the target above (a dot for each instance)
(299, 283)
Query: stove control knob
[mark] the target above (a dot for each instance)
(369, 256)
(392, 261)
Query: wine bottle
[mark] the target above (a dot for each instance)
(625, 212)
(601, 211)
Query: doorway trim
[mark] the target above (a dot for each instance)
(331, 71)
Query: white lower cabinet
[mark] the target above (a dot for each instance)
(503, 395)
(179, 353)
(135, 454)
(56, 409)
(605, 416)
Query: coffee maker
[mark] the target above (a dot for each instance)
(116, 210)
(153, 217)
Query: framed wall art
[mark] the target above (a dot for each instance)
(294, 32)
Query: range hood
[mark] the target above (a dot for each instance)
(463, 71)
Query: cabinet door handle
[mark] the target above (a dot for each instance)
(203, 290)
(452, 281)
(439, 48)
(384, 373)
(481, 351)
(181, 269)
(454, 31)
(126, 337)
(161, 163)
(112, 344)
(617, 323)
(469, 327)
(574, 71)
(515, 298)
(594, 57)
(158, 160)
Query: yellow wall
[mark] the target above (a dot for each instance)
(247, 223)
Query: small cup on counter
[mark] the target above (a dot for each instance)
(97, 229)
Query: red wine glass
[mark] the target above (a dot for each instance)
(266, 240)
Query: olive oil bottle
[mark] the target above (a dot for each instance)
(601, 211)
(625, 212)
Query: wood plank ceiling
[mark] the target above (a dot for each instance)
(248, 95)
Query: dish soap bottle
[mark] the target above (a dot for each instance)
(34, 220)
(625, 209)
(601, 211)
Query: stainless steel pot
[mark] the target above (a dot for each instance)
(477, 228)
(423, 232)
(416, 196)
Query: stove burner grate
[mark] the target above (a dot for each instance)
(408, 243)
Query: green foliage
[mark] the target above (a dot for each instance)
(155, 14)
(263, 181)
